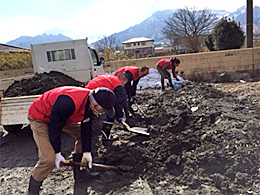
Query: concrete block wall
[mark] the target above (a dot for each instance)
(15, 73)
(206, 65)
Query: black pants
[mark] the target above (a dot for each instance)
(164, 75)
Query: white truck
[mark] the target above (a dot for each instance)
(74, 58)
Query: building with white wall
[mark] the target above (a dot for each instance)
(141, 47)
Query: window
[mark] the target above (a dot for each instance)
(49, 56)
(73, 54)
(54, 56)
(67, 54)
(143, 43)
(94, 57)
(60, 55)
(138, 43)
(134, 44)
(128, 45)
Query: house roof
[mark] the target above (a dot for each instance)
(15, 47)
(138, 39)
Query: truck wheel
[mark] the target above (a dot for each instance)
(13, 128)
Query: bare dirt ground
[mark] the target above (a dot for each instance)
(204, 139)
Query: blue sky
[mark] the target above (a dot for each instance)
(94, 19)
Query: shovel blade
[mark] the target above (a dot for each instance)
(140, 130)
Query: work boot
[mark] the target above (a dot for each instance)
(34, 186)
(163, 88)
(82, 174)
(106, 136)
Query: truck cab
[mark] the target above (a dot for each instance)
(74, 58)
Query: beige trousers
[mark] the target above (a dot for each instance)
(46, 153)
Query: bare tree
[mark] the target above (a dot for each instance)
(189, 24)
(107, 43)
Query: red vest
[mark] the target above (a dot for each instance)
(162, 61)
(42, 106)
(104, 80)
(134, 70)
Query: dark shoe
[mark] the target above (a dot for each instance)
(34, 186)
(109, 137)
(85, 173)
(163, 88)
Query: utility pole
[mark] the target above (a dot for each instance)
(249, 24)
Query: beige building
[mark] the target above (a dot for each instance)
(141, 47)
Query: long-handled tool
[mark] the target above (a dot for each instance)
(140, 130)
(140, 110)
(96, 165)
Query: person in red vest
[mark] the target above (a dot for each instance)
(134, 74)
(115, 84)
(60, 109)
(166, 64)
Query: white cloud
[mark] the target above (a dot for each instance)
(17, 26)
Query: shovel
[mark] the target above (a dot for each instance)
(139, 130)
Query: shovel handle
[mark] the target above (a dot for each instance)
(140, 110)
(126, 126)
(95, 165)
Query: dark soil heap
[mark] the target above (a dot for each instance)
(214, 150)
(40, 83)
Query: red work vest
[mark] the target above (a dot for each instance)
(162, 61)
(104, 80)
(42, 106)
(134, 70)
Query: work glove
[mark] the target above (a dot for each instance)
(86, 158)
(119, 119)
(58, 158)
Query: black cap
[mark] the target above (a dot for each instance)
(106, 99)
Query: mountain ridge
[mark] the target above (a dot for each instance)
(239, 16)
(25, 41)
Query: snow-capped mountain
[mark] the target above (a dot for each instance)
(152, 26)
(25, 41)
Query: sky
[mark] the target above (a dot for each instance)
(78, 19)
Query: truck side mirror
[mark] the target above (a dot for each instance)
(102, 60)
